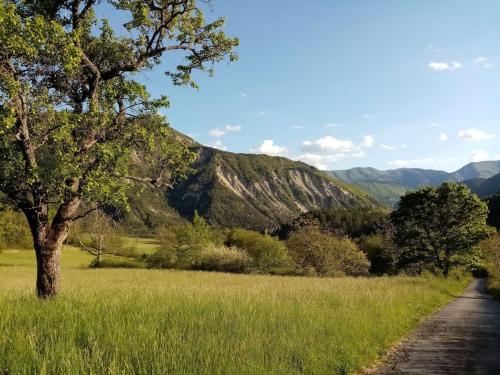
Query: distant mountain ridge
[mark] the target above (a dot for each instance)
(388, 186)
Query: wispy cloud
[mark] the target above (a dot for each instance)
(262, 113)
(482, 155)
(419, 162)
(441, 66)
(218, 145)
(219, 132)
(368, 116)
(298, 127)
(392, 147)
(243, 95)
(484, 62)
(472, 134)
(333, 125)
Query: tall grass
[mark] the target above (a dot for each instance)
(122, 321)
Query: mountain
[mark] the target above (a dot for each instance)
(258, 191)
(484, 187)
(388, 186)
(241, 190)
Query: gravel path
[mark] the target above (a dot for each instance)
(462, 338)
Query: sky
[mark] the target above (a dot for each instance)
(348, 83)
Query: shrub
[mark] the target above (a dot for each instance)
(14, 231)
(267, 254)
(223, 259)
(318, 253)
(490, 249)
(182, 245)
(380, 251)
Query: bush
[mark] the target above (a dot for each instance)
(268, 254)
(181, 245)
(490, 249)
(14, 231)
(223, 259)
(318, 253)
(380, 251)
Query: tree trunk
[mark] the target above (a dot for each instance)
(48, 270)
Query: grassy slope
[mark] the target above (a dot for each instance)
(144, 321)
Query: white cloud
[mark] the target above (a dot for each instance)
(419, 161)
(441, 66)
(269, 148)
(392, 147)
(333, 125)
(316, 160)
(479, 155)
(368, 140)
(322, 151)
(484, 62)
(218, 145)
(433, 125)
(472, 134)
(443, 137)
(243, 95)
(217, 132)
(367, 116)
(298, 127)
(328, 145)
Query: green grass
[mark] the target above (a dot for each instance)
(141, 245)
(124, 321)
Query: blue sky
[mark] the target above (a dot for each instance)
(350, 83)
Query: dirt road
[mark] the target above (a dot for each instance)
(462, 338)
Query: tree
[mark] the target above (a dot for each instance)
(98, 236)
(319, 253)
(432, 226)
(72, 116)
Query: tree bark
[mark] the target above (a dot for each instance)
(48, 270)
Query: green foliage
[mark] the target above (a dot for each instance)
(381, 253)
(222, 259)
(353, 222)
(434, 226)
(267, 254)
(317, 253)
(490, 250)
(267, 180)
(182, 245)
(14, 231)
(494, 207)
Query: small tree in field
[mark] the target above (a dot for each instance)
(433, 226)
(72, 116)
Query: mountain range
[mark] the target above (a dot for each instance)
(261, 192)
(387, 186)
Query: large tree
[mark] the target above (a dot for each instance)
(72, 116)
(432, 226)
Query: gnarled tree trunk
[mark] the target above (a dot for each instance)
(48, 242)
(48, 270)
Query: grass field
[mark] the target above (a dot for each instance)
(124, 321)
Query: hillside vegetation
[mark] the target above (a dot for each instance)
(258, 191)
(178, 322)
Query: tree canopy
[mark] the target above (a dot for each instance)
(72, 112)
(434, 225)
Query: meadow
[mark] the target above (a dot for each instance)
(118, 321)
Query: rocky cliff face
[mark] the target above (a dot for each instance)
(258, 191)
